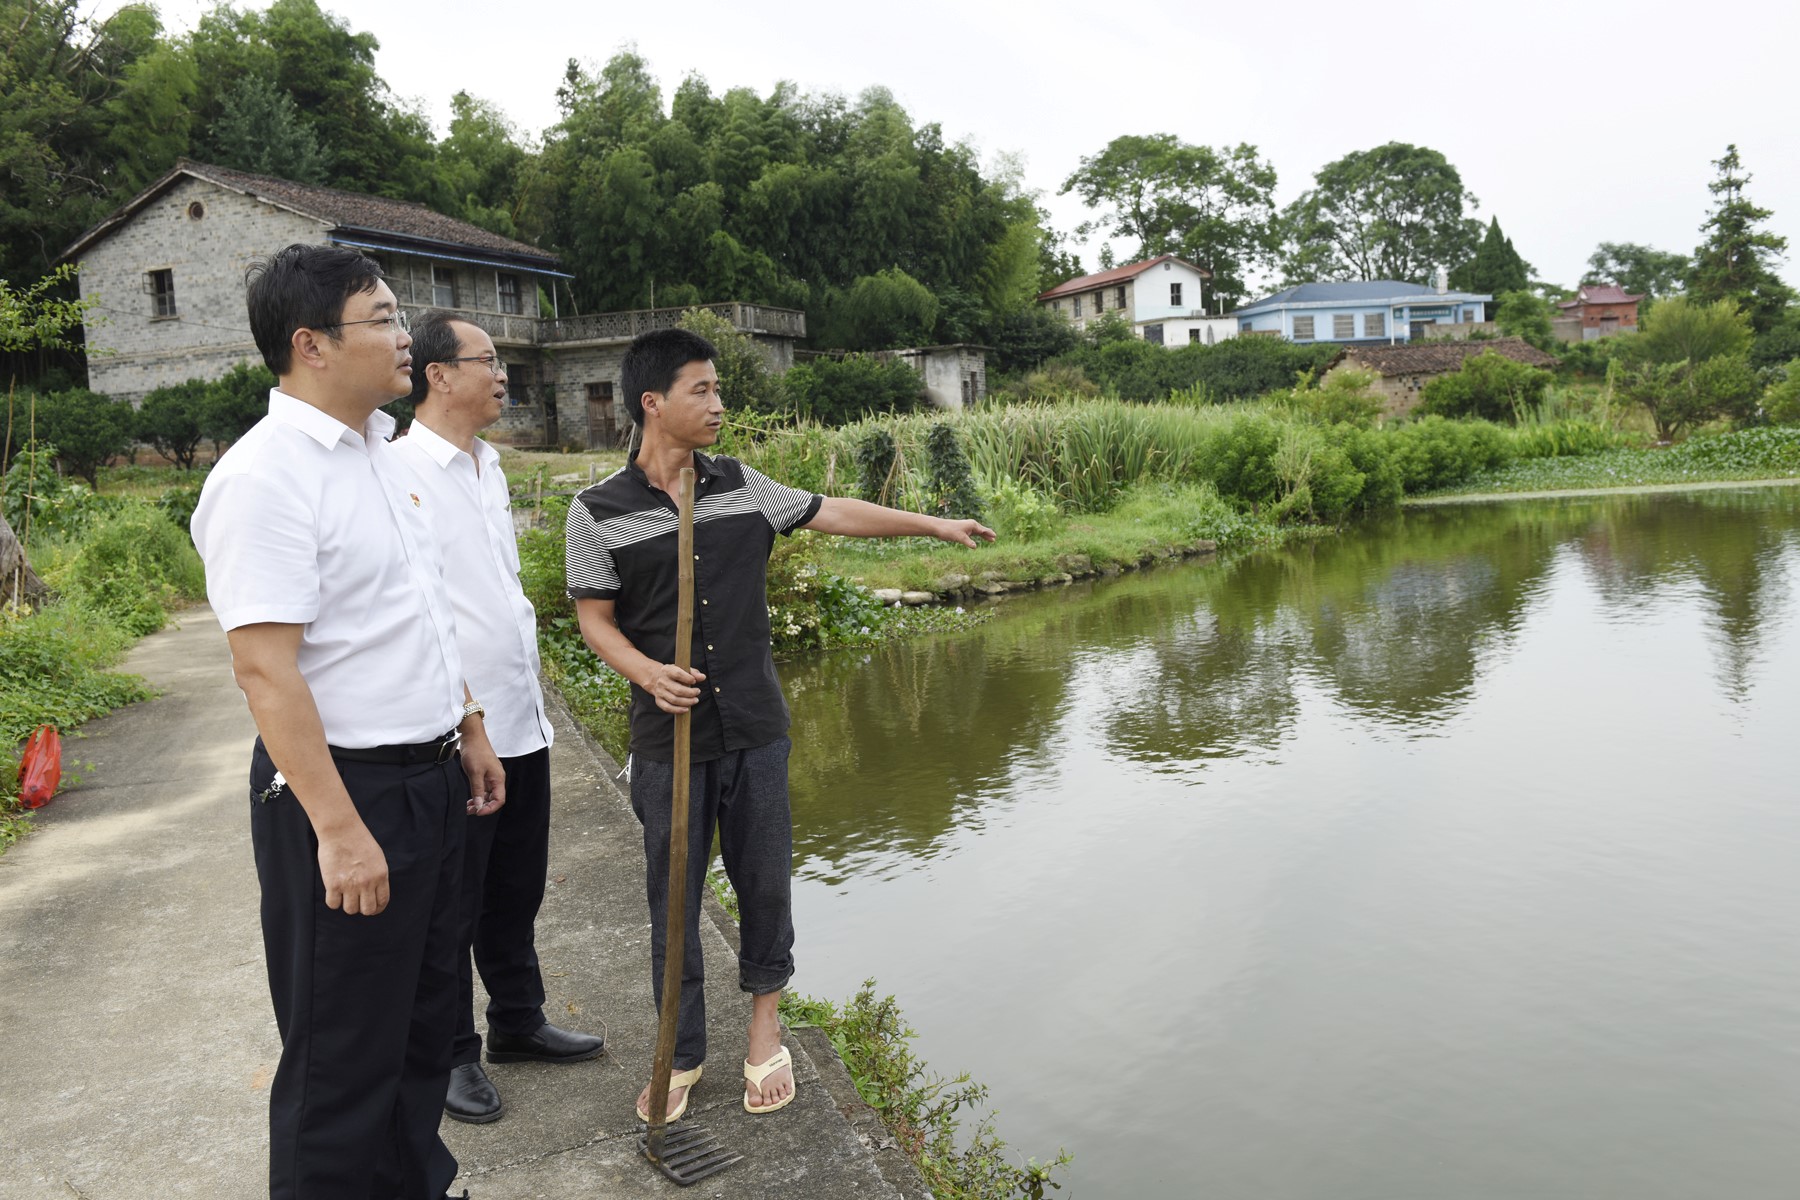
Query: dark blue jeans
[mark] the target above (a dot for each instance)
(744, 794)
(504, 865)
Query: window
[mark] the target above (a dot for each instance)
(443, 287)
(1078, 306)
(1343, 327)
(161, 286)
(1174, 295)
(1375, 325)
(509, 293)
(1099, 302)
(1154, 334)
(1303, 329)
(1193, 336)
(1120, 302)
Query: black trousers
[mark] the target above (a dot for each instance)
(365, 1005)
(744, 795)
(505, 861)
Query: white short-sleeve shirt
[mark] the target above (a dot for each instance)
(496, 627)
(305, 521)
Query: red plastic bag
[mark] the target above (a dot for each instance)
(40, 769)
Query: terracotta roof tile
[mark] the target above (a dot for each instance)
(1088, 283)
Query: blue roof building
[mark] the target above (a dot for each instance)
(1365, 310)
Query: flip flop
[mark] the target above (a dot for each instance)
(756, 1075)
(680, 1079)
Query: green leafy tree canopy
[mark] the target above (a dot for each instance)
(1394, 212)
(1736, 260)
(1639, 270)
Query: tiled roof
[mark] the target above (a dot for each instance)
(1359, 291)
(347, 210)
(1436, 358)
(1600, 293)
(1088, 283)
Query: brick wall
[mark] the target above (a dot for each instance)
(205, 236)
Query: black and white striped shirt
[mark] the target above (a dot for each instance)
(622, 547)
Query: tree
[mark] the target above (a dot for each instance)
(1489, 386)
(837, 391)
(1639, 270)
(1682, 395)
(1496, 267)
(1683, 329)
(86, 428)
(1394, 212)
(1215, 208)
(172, 419)
(879, 312)
(1527, 315)
(234, 402)
(1736, 261)
(260, 130)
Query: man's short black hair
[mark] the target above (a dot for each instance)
(303, 287)
(652, 362)
(433, 341)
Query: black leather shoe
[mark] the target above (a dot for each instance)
(472, 1096)
(546, 1043)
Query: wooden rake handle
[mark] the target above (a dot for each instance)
(675, 941)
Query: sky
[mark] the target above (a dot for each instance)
(1573, 123)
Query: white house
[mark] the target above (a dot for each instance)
(1163, 298)
(1377, 310)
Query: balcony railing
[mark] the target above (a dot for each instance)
(623, 326)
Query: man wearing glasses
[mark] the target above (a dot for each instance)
(459, 389)
(330, 587)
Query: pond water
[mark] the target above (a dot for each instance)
(1453, 857)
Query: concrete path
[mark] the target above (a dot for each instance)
(138, 1042)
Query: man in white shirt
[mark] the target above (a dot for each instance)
(459, 389)
(331, 591)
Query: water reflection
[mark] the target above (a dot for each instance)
(1439, 858)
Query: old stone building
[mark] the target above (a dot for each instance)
(1597, 311)
(166, 275)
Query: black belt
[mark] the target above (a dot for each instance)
(435, 751)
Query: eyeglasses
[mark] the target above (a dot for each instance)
(492, 362)
(397, 318)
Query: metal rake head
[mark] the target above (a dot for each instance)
(685, 1153)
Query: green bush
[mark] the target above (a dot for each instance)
(875, 466)
(745, 381)
(1489, 387)
(130, 566)
(1781, 403)
(1433, 453)
(1021, 513)
(1239, 459)
(234, 402)
(173, 420)
(810, 607)
(87, 429)
(949, 483)
(837, 391)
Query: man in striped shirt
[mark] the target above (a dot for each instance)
(622, 575)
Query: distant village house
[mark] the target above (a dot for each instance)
(1162, 299)
(1597, 311)
(1379, 310)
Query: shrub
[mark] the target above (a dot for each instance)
(40, 501)
(1345, 396)
(130, 566)
(745, 381)
(86, 428)
(1433, 453)
(1239, 459)
(837, 391)
(948, 480)
(172, 419)
(810, 607)
(1020, 512)
(234, 402)
(1682, 395)
(1782, 401)
(876, 469)
(1489, 386)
